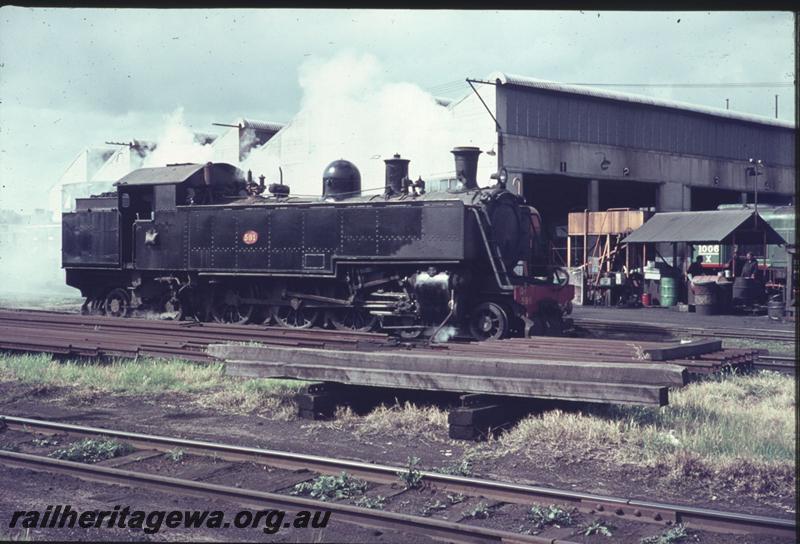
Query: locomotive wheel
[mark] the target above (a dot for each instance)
(117, 303)
(352, 318)
(295, 315)
(488, 321)
(227, 307)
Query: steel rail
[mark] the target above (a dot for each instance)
(673, 328)
(365, 517)
(777, 363)
(618, 507)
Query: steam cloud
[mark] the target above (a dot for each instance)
(177, 143)
(349, 111)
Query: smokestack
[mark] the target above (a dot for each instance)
(467, 166)
(396, 170)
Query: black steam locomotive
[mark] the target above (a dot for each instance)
(201, 241)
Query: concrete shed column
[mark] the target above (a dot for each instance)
(593, 197)
(674, 197)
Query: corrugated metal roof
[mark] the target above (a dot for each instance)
(708, 226)
(177, 173)
(524, 81)
(261, 125)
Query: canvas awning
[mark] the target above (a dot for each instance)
(709, 226)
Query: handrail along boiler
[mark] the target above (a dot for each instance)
(206, 241)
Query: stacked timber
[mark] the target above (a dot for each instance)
(698, 356)
(529, 377)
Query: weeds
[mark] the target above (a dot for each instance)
(670, 536)
(597, 527)
(175, 455)
(374, 503)
(326, 488)
(456, 498)
(17, 537)
(480, 511)
(432, 506)
(92, 451)
(44, 442)
(543, 516)
(462, 468)
(412, 476)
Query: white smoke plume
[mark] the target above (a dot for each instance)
(350, 111)
(177, 144)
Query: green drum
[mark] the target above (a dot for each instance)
(668, 291)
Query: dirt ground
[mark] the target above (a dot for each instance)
(176, 415)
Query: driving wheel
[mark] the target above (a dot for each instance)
(488, 321)
(117, 303)
(228, 305)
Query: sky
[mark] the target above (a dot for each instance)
(74, 78)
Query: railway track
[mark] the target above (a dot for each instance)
(92, 336)
(599, 505)
(640, 328)
(785, 364)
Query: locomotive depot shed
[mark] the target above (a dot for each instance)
(569, 148)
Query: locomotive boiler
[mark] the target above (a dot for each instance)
(206, 241)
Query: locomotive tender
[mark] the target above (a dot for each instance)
(201, 240)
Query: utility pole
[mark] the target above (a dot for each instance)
(776, 106)
(727, 103)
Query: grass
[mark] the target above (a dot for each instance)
(737, 431)
(142, 376)
(206, 382)
(407, 421)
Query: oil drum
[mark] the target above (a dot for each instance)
(667, 291)
(744, 291)
(724, 296)
(775, 309)
(705, 298)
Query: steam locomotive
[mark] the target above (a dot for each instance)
(206, 241)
